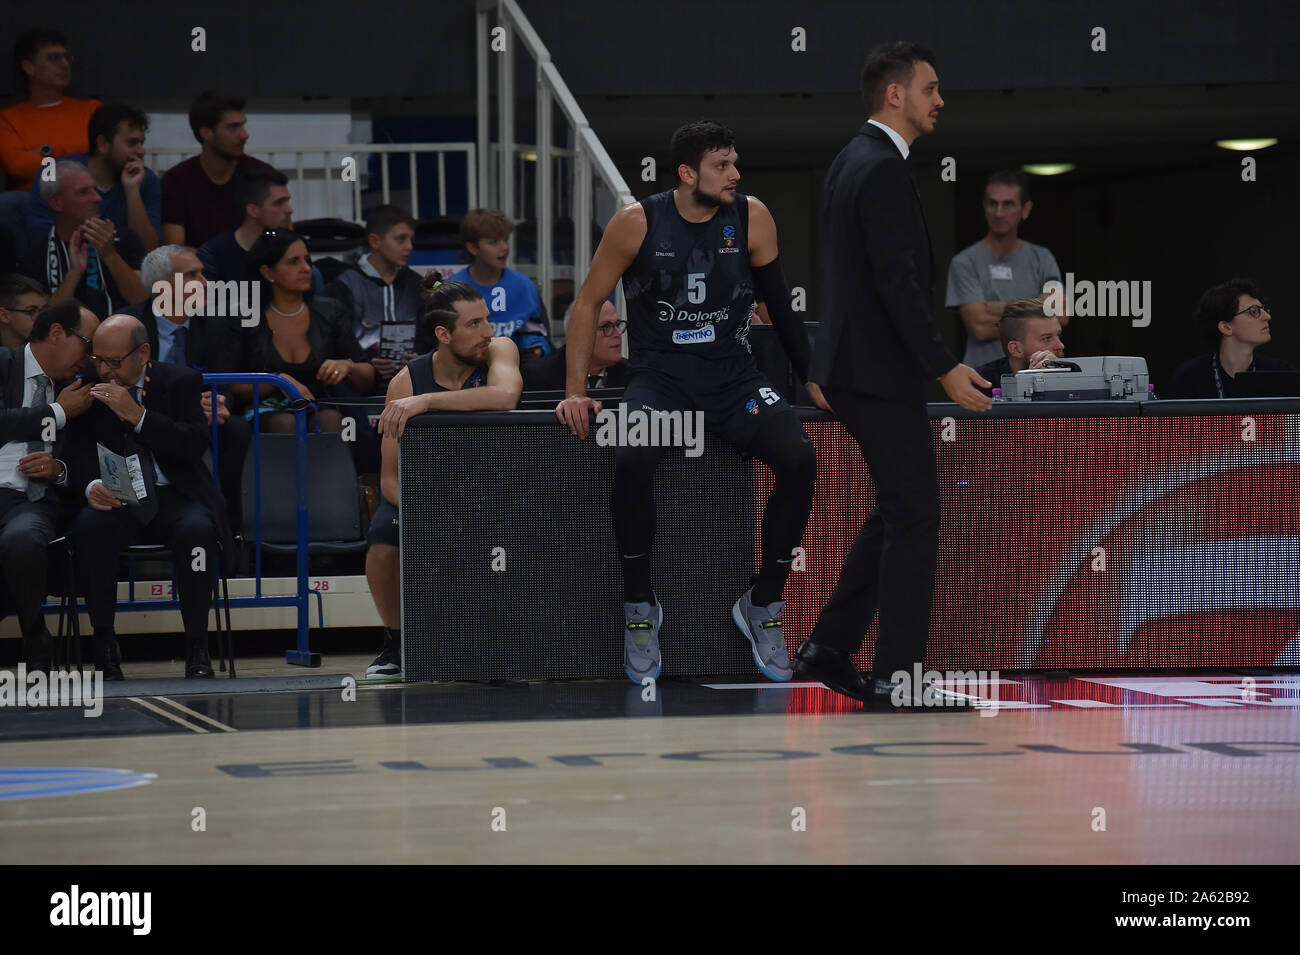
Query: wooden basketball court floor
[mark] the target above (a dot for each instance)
(1193, 768)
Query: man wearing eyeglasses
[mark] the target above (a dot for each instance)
(608, 368)
(1235, 322)
(20, 299)
(34, 414)
(151, 412)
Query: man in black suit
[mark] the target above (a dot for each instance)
(608, 368)
(876, 349)
(207, 343)
(34, 414)
(151, 410)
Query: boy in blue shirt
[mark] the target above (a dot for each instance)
(515, 307)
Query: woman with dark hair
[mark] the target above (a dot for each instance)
(306, 340)
(1234, 321)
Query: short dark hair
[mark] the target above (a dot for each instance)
(66, 314)
(1011, 326)
(440, 304)
(29, 44)
(385, 218)
(1010, 177)
(257, 183)
(890, 63)
(1219, 304)
(691, 142)
(207, 109)
(15, 286)
(105, 120)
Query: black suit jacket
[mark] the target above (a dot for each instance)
(212, 345)
(549, 372)
(877, 336)
(26, 424)
(174, 431)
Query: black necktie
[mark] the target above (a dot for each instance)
(37, 488)
(147, 509)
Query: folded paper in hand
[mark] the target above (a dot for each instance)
(123, 476)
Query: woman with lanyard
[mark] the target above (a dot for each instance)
(1236, 322)
(308, 341)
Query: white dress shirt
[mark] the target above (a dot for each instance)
(15, 451)
(893, 134)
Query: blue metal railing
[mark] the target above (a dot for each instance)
(301, 599)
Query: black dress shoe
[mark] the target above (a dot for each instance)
(108, 660)
(833, 667)
(198, 665)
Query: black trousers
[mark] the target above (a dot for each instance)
(890, 566)
(233, 439)
(26, 527)
(181, 524)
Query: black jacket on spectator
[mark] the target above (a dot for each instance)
(16, 422)
(174, 432)
(330, 335)
(877, 335)
(993, 371)
(1195, 378)
(548, 372)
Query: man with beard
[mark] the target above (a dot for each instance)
(470, 371)
(877, 348)
(131, 194)
(691, 260)
(200, 196)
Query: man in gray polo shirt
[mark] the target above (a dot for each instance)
(999, 268)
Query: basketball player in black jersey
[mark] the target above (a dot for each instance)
(470, 371)
(690, 260)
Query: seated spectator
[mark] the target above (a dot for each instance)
(264, 201)
(45, 124)
(150, 409)
(131, 194)
(1234, 323)
(20, 299)
(1029, 338)
(382, 294)
(608, 369)
(517, 310)
(999, 268)
(201, 196)
(470, 371)
(308, 341)
(205, 342)
(33, 476)
(82, 256)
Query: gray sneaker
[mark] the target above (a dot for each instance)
(762, 628)
(641, 657)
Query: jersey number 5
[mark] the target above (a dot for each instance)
(695, 287)
(769, 396)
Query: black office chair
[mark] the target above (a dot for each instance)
(336, 523)
(220, 588)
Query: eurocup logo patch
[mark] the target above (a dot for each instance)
(752, 406)
(728, 239)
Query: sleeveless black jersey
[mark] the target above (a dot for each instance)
(422, 380)
(689, 290)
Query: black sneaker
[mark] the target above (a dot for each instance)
(388, 665)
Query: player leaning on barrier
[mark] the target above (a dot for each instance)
(470, 371)
(690, 260)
